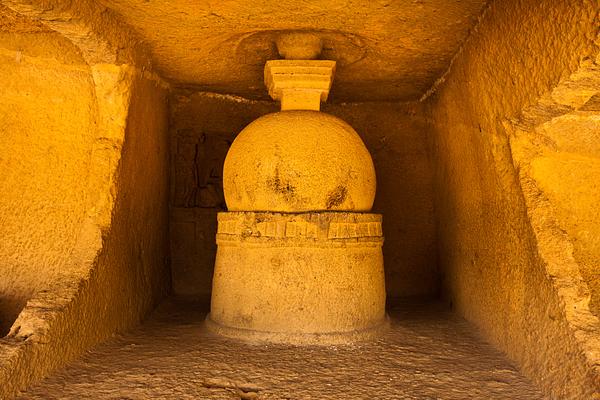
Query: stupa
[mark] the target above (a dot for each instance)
(299, 257)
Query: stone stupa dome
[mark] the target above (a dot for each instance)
(298, 161)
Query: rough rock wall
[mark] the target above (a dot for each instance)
(132, 271)
(86, 170)
(203, 127)
(47, 116)
(563, 156)
(493, 244)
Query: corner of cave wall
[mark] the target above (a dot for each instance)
(133, 262)
(504, 263)
(84, 210)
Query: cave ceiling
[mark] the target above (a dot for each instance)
(386, 50)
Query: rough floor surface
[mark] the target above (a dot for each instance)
(429, 353)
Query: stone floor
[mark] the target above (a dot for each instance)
(429, 353)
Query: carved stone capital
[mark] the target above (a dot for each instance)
(299, 84)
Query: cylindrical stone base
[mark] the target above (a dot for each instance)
(310, 278)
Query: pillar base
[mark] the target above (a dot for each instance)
(300, 339)
(307, 278)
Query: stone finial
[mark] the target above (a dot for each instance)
(298, 45)
(299, 84)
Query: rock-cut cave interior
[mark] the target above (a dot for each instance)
(308, 199)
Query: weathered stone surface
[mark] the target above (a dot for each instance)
(198, 169)
(505, 262)
(193, 250)
(299, 45)
(517, 247)
(299, 160)
(428, 353)
(299, 84)
(83, 247)
(298, 278)
(44, 151)
(386, 50)
(275, 229)
(13, 22)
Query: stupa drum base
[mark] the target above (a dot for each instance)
(298, 278)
